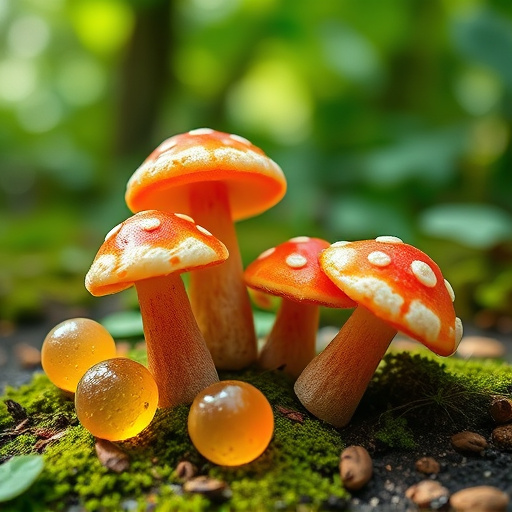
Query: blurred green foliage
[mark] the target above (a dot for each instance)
(387, 118)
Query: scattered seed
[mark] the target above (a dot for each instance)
(501, 410)
(502, 437)
(209, 487)
(428, 466)
(424, 493)
(483, 498)
(469, 442)
(185, 470)
(291, 414)
(29, 357)
(111, 456)
(356, 467)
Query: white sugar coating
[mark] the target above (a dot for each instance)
(113, 232)
(449, 289)
(203, 230)
(145, 261)
(295, 260)
(167, 144)
(184, 217)
(423, 273)
(381, 294)
(459, 330)
(336, 258)
(201, 131)
(300, 239)
(389, 239)
(150, 224)
(238, 138)
(266, 253)
(379, 258)
(422, 321)
(341, 243)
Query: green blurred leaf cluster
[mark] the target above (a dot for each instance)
(386, 117)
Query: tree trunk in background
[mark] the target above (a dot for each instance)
(143, 79)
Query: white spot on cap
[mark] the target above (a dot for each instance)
(337, 260)
(184, 217)
(203, 230)
(424, 273)
(266, 253)
(113, 232)
(423, 321)
(150, 224)
(238, 138)
(389, 239)
(379, 258)
(300, 239)
(449, 289)
(295, 260)
(341, 243)
(459, 330)
(201, 131)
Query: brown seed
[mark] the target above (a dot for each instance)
(356, 467)
(501, 410)
(425, 492)
(483, 498)
(428, 466)
(209, 487)
(480, 347)
(502, 437)
(111, 456)
(185, 470)
(469, 442)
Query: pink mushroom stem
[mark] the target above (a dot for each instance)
(219, 297)
(292, 340)
(332, 385)
(177, 354)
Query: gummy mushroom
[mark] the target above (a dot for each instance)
(291, 271)
(397, 288)
(150, 250)
(217, 178)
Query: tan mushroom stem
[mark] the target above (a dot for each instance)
(218, 295)
(332, 385)
(177, 354)
(292, 340)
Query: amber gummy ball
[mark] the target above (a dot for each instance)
(72, 347)
(116, 399)
(231, 423)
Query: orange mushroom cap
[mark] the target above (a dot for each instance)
(151, 244)
(399, 284)
(254, 181)
(291, 270)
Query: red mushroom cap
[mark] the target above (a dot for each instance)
(399, 284)
(254, 181)
(291, 270)
(151, 244)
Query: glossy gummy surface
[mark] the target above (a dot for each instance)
(72, 347)
(231, 423)
(116, 399)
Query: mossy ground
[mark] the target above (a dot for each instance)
(301, 463)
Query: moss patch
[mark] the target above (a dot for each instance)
(301, 463)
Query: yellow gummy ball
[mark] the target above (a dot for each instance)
(72, 347)
(116, 399)
(231, 423)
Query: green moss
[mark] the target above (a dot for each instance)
(302, 459)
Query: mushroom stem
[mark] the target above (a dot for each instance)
(218, 295)
(177, 354)
(292, 340)
(332, 385)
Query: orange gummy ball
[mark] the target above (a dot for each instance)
(116, 399)
(230, 423)
(72, 347)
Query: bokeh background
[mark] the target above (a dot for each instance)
(388, 117)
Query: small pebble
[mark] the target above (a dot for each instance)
(480, 347)
(425, 492)
(28, 356)
(356, 467)
(483, 498)
(428, 466)
(469, 442)
(502, 437)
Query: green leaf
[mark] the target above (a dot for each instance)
(18, 474)
(124, 324)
